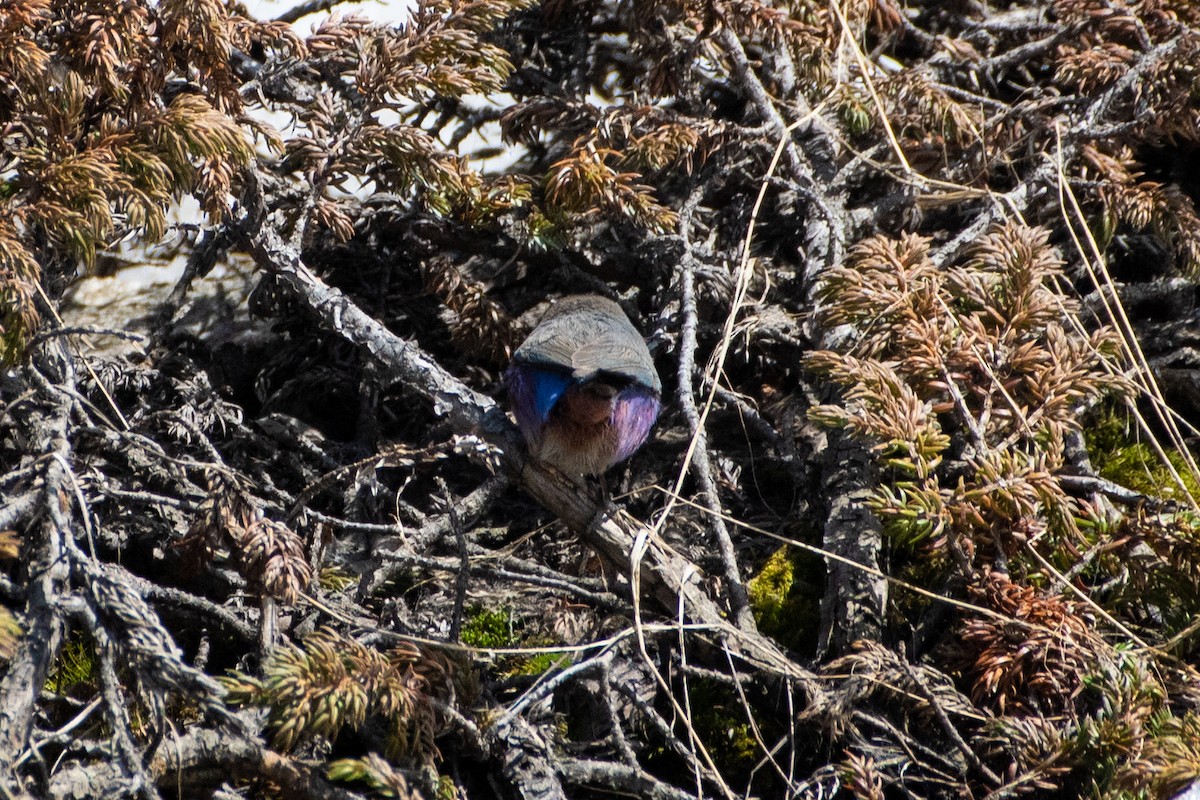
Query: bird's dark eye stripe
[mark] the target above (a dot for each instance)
(614, 379)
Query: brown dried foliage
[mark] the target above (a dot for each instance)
(267, 553)
(480, 325)
(1033, 659)
(982, 350)
(93, 150)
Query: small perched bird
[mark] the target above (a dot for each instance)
(583, 387)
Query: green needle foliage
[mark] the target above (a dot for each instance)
(335, 683)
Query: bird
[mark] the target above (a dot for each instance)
(583, 387)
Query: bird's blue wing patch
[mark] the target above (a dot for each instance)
(548, 386)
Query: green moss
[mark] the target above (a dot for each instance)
(720, 720)
(498, 628)
(1117, 455)
(785, 605)
(770, 587)
(1167, 587)
(488, 628)
(719, 717)
(536, 664)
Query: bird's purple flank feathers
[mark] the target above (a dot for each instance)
(634, 412)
